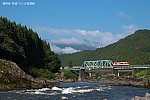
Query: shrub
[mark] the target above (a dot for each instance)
(41, 73)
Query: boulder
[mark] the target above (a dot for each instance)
(12, 77)
(147, 97)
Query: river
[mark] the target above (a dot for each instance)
(76, 91)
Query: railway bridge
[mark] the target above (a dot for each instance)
(104, 66)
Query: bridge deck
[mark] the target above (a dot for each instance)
(111, 67)
(132, 67)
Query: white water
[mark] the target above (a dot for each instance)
(72, 90)
(77, 90)
(58, 90)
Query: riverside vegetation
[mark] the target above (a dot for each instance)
(21, 45)
(35, 63)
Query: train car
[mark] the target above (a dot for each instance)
(121, 64)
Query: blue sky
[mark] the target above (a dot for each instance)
(75, 25)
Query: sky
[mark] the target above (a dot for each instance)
(75, 25)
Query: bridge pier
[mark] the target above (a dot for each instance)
(90, 74)
(115, 71)
(133, 71)
(81, 75)
(118, 74)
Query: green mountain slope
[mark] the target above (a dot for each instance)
(24, 47)
(134, 48)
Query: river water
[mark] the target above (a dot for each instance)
(76, 91)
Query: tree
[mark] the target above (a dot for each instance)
(24, 47)
(70, 64)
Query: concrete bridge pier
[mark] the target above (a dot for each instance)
(90, 74)
(81, 75)
(133, 71)
(115, 71)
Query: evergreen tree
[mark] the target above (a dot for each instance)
(23, 46)
(70, 64)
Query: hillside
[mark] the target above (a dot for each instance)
(134, 48)
(23, 46)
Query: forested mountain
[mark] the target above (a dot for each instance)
(134, 48)
(24, 47)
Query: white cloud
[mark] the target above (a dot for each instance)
(72, 41)
(86, 33)
(66, 31)
(66, 50)
(88, 38)
(75, 41)
(69, 50)
(77, 36)
(56, 49)
(130, 29)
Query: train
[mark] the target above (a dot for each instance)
(121, 64)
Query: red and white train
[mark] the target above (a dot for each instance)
(121, 64)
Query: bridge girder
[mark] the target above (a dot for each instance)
(97, 64)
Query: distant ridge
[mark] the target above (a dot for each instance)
(134, 48)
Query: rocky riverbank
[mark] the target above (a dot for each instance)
(146, 97)
(124, 80)
(12, 77)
